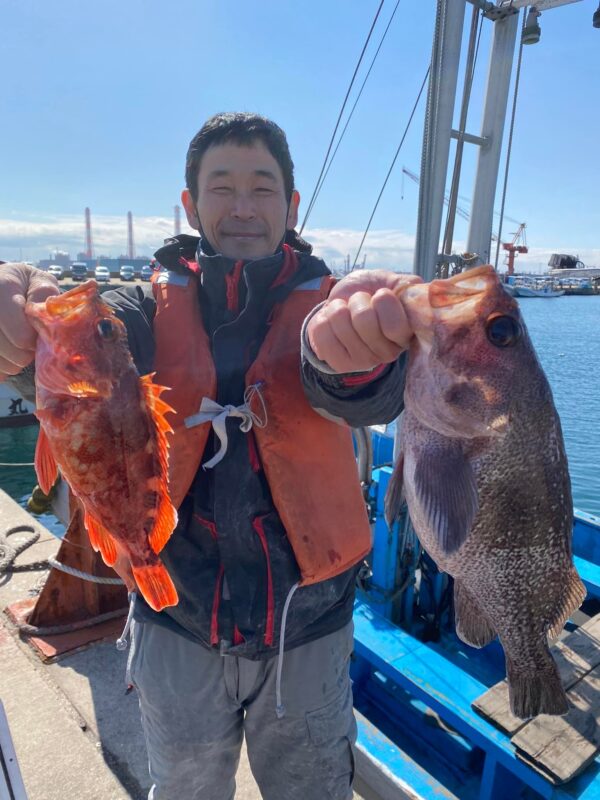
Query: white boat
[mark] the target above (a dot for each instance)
(536, 288)
(14, 410)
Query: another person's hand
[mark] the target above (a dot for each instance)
(18, 284)
(122, 567)
(363, 323)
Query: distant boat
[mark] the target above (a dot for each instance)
(14, 410)
(540, 287)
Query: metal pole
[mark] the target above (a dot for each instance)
(443, 79)
(494, 116)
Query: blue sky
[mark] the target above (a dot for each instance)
(100, 100)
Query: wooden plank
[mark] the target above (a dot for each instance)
(576, 655)
(564, 746)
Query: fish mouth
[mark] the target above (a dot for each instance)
(65, 306)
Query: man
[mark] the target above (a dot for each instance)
(272, 525)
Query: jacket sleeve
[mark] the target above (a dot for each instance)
(357, 398)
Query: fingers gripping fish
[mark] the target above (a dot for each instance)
(484, 473)
(104, 427)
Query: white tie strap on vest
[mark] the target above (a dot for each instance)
(211, 411)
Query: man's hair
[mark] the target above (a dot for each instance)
(243, 129)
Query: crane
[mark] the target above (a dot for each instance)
(513, 248)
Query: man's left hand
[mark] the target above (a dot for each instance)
(363, 323)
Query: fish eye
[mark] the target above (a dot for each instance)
(107, 330)
(503, 331)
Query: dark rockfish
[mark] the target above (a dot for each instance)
(104, 427)
(484, 472)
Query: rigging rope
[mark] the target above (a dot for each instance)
(17, 464)
(337, 124)
(510, 138)
(412, 113)
(339, 141)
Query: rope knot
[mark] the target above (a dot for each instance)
(216, 414)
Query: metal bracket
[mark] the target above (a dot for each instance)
(482, 141)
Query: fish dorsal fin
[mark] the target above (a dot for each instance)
(46, 467)
(166, 515)
(100, 539)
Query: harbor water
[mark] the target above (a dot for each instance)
(566, 334)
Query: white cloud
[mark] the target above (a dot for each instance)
(391, 249)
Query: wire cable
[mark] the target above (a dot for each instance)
(350, 115)
(410, 119)
(337, 124)
(510, 139)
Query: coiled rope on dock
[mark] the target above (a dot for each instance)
(9, 552)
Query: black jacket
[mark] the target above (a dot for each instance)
(229, 556)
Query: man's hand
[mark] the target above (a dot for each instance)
(18, 284)
(363, 323)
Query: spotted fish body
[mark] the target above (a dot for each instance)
(484, 473)
(103, 426)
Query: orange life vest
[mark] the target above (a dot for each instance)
(308, 460)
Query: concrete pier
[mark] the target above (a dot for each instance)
(77, 734)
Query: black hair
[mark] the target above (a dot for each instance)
(244, 129)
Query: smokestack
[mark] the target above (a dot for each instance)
(89, 248)
(130, 244)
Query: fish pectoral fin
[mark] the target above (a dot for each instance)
(165, 522)
(471, 625)
(446, 491)
(156, 586)
(46, 467)
(100, 539)
(573, 596)
(394, 497)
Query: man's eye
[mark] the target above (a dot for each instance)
(263, 190)
(221, 189)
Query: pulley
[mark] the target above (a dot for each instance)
(532, 31)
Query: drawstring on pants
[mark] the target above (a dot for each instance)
(122, 640)
(279, 707)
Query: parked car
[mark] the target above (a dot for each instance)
(102, 274)
(127, 272)
(79, 271)
(147, 272)
(56, 270)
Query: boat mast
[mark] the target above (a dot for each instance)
(438, 126)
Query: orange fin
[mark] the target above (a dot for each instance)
(166, 515)
(46, 467)
(165, 522)
(156, 585)
(100, 539)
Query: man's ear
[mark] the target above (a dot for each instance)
(292, 218)
(190, 210)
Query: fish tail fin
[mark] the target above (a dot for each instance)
(538, 693)
(573, 596)
(156, 585)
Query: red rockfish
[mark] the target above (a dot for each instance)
(104, 427)
(484, 472)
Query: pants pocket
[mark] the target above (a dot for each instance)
(332, 732)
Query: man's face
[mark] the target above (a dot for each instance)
(242, 203)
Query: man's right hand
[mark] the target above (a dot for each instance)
(19, 283)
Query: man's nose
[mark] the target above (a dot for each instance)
(243, 206)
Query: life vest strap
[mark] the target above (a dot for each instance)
(216, 414)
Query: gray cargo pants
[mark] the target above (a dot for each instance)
(197, 705)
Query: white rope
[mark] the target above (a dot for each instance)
(279, 707)
(85, 576)
(213, 412)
